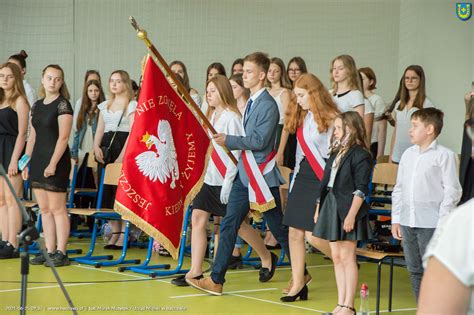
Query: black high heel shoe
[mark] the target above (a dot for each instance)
(303, 295)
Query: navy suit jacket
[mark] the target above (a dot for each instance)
(260, 129)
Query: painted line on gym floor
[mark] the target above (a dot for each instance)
(48, 287)
(279, 303)
(395, 310)
(278, 268)
(226, 293)
(119, 273)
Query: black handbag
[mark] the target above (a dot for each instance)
(106, 152)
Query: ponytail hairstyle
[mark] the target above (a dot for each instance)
(63, 91)
(20, 58)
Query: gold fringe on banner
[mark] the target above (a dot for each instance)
(264, 207)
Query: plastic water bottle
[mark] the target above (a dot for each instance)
(211, 248)
(364, 300)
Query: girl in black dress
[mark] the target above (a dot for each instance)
(14, 111)
(51, 123)
(311, 117)
(341, 216)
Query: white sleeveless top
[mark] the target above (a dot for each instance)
(111, 119)
(280, 107)
(403, 124)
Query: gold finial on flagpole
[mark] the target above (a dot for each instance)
(141, 33)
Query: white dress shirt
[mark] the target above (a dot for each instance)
(427, 186)
(229, 123)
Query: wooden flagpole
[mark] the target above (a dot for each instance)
(141, 33)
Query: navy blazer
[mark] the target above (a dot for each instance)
(353, 174)
(260, 129)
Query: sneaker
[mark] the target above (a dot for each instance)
(3, 243)
(8, 251)
(39, 259)
(59, 259)
(207, 285)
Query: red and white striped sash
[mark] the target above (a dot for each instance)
(311, 152)
(260, 196)
(220, 159)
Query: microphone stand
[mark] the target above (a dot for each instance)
(27, 237)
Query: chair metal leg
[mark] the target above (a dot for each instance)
(390, 286)
(379, 271)
(89, 255)
(152, 270)
(146, 263)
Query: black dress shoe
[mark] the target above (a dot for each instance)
(235, 262)
(181, 280)
(270, 247)
(303, 295)
(265, 274)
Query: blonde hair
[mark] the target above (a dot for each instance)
(353, 76)
(63, 91)
(18, 88)
(321, 105)
(128, 87)
(225, 93)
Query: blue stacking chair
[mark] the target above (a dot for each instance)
(155, 270)
(109, 176)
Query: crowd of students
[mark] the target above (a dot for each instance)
(331, 139)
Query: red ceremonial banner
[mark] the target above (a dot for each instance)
(164, 163)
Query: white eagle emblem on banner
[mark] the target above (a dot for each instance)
(162, 162)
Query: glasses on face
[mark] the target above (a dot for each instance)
(294, 70)
(411, 78)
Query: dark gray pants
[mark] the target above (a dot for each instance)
(414, 244)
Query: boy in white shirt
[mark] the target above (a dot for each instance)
(427, 189)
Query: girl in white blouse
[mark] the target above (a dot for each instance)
(346, 85)
(412, 98)
(214, 194)
(379, 130)
(115, 117)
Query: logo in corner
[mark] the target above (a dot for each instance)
(159, 162)
(464, 10)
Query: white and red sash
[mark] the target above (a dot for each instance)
(260, 196)
(220, 159)
(311, 152)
